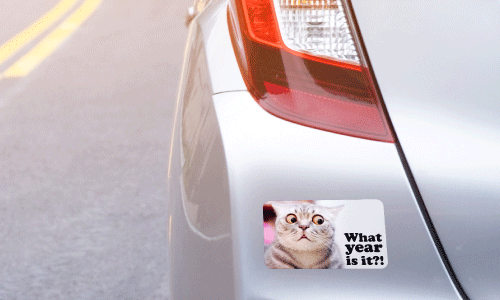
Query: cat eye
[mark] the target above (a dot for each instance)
(318, 220)
(291, 218)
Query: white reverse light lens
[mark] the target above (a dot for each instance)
(316, 27)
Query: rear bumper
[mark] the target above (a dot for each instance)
(269, 159)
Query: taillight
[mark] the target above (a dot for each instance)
(301, 62)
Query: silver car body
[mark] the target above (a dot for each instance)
(437, 64)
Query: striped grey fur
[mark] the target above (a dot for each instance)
(303, 244)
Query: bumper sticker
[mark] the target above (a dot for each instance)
(325, 234)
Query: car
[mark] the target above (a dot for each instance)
(390, 102)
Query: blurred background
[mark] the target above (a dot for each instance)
(87, 91)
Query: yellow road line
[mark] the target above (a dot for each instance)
(45, 47)
(13, 45)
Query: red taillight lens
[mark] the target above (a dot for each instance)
(261, 22)
(302, 66)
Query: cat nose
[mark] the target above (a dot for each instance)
(303, 227)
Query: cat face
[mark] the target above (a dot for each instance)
(304, 226)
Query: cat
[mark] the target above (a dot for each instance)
(304, 237)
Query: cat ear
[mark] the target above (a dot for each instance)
(334, 211)
(278, 207)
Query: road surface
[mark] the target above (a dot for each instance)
(83, 150)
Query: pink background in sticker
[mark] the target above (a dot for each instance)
(268, 233)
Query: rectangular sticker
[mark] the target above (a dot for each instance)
(325, 234)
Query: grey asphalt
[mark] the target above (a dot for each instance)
(83, 155)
